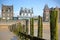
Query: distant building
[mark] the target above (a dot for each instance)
(46, 13)
(25, 13)
(7, 12)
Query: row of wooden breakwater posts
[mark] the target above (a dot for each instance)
(20, 31)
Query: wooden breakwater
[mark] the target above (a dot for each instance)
(22, 31)
(18, 29)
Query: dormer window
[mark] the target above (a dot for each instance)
(8, 10)
(3, 17)
(3, 10)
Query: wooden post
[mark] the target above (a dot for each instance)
(40, 27)
(26, 28)
(54, 24)
(32, 26)
(19, 29)
(24, 31)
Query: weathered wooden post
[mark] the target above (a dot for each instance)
(32, 26)
(54, 24)
(40, 27)
(14, 28)
(26, 27)
(18, 29)
(10, 28)
(23, 31)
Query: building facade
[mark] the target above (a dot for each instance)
(25, 13)
(46, 13)
(7, 12)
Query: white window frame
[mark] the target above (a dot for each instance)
(8, 18)
(3, 17)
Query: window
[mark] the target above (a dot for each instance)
(3, 14)
(25, 14)
(31, 11)
(22, 14)
(28, 14)
(8, 18)
(3, 17)
(8, 14)
(8, 10)
(32, 14)
(3, 10)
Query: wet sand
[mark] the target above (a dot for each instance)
(46, 31)
(5, 34)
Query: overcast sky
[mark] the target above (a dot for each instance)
(37, 5)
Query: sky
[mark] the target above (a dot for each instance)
(37, 5)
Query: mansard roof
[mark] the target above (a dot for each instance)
(26, 10)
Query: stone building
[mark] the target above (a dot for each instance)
(25, 13)
(7, 12)
(46, 13)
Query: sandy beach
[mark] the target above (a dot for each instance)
(5, 34)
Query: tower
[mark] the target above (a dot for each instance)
(7, 12)
(46, 15)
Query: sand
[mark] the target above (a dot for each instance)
(5, 34)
